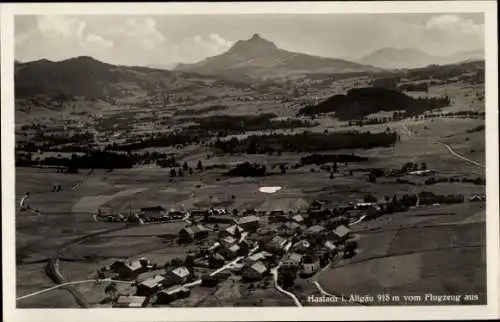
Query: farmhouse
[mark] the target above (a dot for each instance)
(190, 233)
(250, 223)
(292, 226)
(213, 280)
(477, 197)
(340, 234)
(298, 219)
(254, 272)
(150, 286)
(229, 252)
(229, 240)
(317, 205)
(130, 301)
(302, 246)
(276, 245)
(173, 293)
(260, 256)
(310, 265)
(300, 205)
(179, 275)
(292, 260)
(130, 270)
(330, 246)
(233, 231)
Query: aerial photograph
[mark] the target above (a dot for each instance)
(253, 160)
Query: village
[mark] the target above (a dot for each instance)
(249, 246)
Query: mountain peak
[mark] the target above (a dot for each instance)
(254, 45)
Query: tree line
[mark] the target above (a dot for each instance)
(306, 142)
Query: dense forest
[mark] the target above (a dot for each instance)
(360, 102)
(306, 142)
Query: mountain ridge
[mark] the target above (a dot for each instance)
(404, 58)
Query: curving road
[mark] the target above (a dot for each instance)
(274, 272)
(71, 283)
(453, 152)
(315, 278)
(448, 147)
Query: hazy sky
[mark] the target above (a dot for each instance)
(168, 39)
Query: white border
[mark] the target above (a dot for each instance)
(250, 314)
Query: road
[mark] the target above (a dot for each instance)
(71, 283)
(453, 152)
(315, 278)
(448, 147)
(223, 268)
(274, 272)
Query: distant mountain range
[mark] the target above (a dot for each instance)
(86, 76)
(260, 58)
(394, 58)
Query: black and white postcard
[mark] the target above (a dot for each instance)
(250, 161)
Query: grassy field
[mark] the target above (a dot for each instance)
(403, 259)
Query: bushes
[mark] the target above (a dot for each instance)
(247, 169)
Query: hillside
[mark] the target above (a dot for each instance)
(260, 58)
(85, 76)
(394, 58)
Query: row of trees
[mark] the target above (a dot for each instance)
(306, 142)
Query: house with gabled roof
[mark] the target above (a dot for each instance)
(276, 245)
(130, 270)
(178, 275)
(299, 219)
(150, 286)
(229, 251)
(173, 293)
(340, 234)
(232, 231)
(190, 233)
(254, 271)
(292, 260)
(250, 223)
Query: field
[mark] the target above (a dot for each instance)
(406, 253)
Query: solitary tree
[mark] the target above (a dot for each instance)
(185, 166)
(335, 167)
(199, 166)
(111, 290)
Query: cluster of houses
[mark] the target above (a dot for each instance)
(299, 242)
(167, 287)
